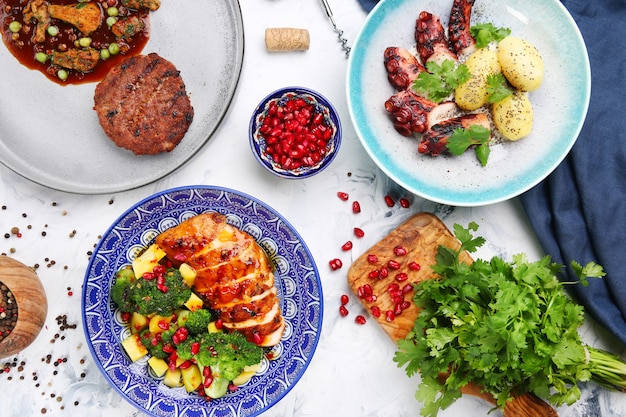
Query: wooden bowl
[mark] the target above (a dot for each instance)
(32, 305)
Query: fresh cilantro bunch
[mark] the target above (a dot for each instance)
(439, 81)
(506, 326)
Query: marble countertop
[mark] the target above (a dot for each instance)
(352, 372)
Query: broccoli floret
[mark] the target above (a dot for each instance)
(122, 288)
(162, 298)
(198, 321)
(227, 353)
(153, 343)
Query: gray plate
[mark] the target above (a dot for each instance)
(50, 133)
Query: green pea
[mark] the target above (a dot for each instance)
(53, 30)
(62, 74)
(111, 20)
(114, 49)
(105, 54)
(41, 57)
(112, 11)
(15, 26)
(84, 42)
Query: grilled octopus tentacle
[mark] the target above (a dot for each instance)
(409, 112)
(430, 38)
(459, 35)
(402, 67)
(434, 139)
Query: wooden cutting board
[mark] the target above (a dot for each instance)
(419, 236)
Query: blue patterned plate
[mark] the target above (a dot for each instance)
(560, 104)
(297, 281)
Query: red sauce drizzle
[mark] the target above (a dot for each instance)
(22, 46)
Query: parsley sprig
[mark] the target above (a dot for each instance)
(506, 326)
(477, 136)
(439, 81)
(485, 33)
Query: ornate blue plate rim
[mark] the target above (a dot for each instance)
(297, 281)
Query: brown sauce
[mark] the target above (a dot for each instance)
(23, 47)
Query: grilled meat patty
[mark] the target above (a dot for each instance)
(143, 106)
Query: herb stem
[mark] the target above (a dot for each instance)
(607, 369)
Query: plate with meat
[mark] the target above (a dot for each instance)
(57, 129)
(252, 270)
(410, 134)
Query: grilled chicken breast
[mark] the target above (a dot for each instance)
(235, 276)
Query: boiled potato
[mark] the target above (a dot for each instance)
(513, 116)
(521, 63)
(472, 94)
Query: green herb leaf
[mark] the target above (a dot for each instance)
(461, 139)
(439, 81)
(497, 88)
(485, 33)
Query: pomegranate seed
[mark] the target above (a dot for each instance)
(404, 203)
(397, 309)
(402, 276)
(372, 259)
(389, 201)
(335, 264)
(375, 311)
(405, 304)
(347, 246)
(219, 324)
(374, 274)
(256, 338)
(195, 348)
(168, 348)
(148, 276)
(185, 365)
(384, 272)
(393, 287)
(414, 266)
(356, 207)
(180, 257)
(163, 324)
(399, 251)
(359, 232)
(359, 319)
(125, 317)
(390, 315)
(343, 196)
(392, 264)
(371, 298)
(397, 300)
(344, 299)
(407, 288)
(367, 289)
(343, 311)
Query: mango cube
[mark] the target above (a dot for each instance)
(158, 324)
(173, 378)
(158, 366)
(147, 260)
(138, 322)
(192, 378)
(134, 348)
(194, 302)
(188, 273)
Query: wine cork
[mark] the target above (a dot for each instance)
(286, 39)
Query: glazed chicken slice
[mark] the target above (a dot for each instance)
(234, 275)
(431, 41)
(459, 36)
(434, 140)
(402, 67)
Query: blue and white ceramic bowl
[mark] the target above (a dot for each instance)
(296, 279)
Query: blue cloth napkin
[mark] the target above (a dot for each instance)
(579, 211)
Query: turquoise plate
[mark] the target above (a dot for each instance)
(560, 104)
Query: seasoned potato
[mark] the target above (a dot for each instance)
(513, 116)
(521, 63)
(472, 94)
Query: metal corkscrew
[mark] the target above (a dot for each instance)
(342, 39)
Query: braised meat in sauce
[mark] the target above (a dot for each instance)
(72, 41)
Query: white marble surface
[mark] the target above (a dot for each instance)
(352, 373)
